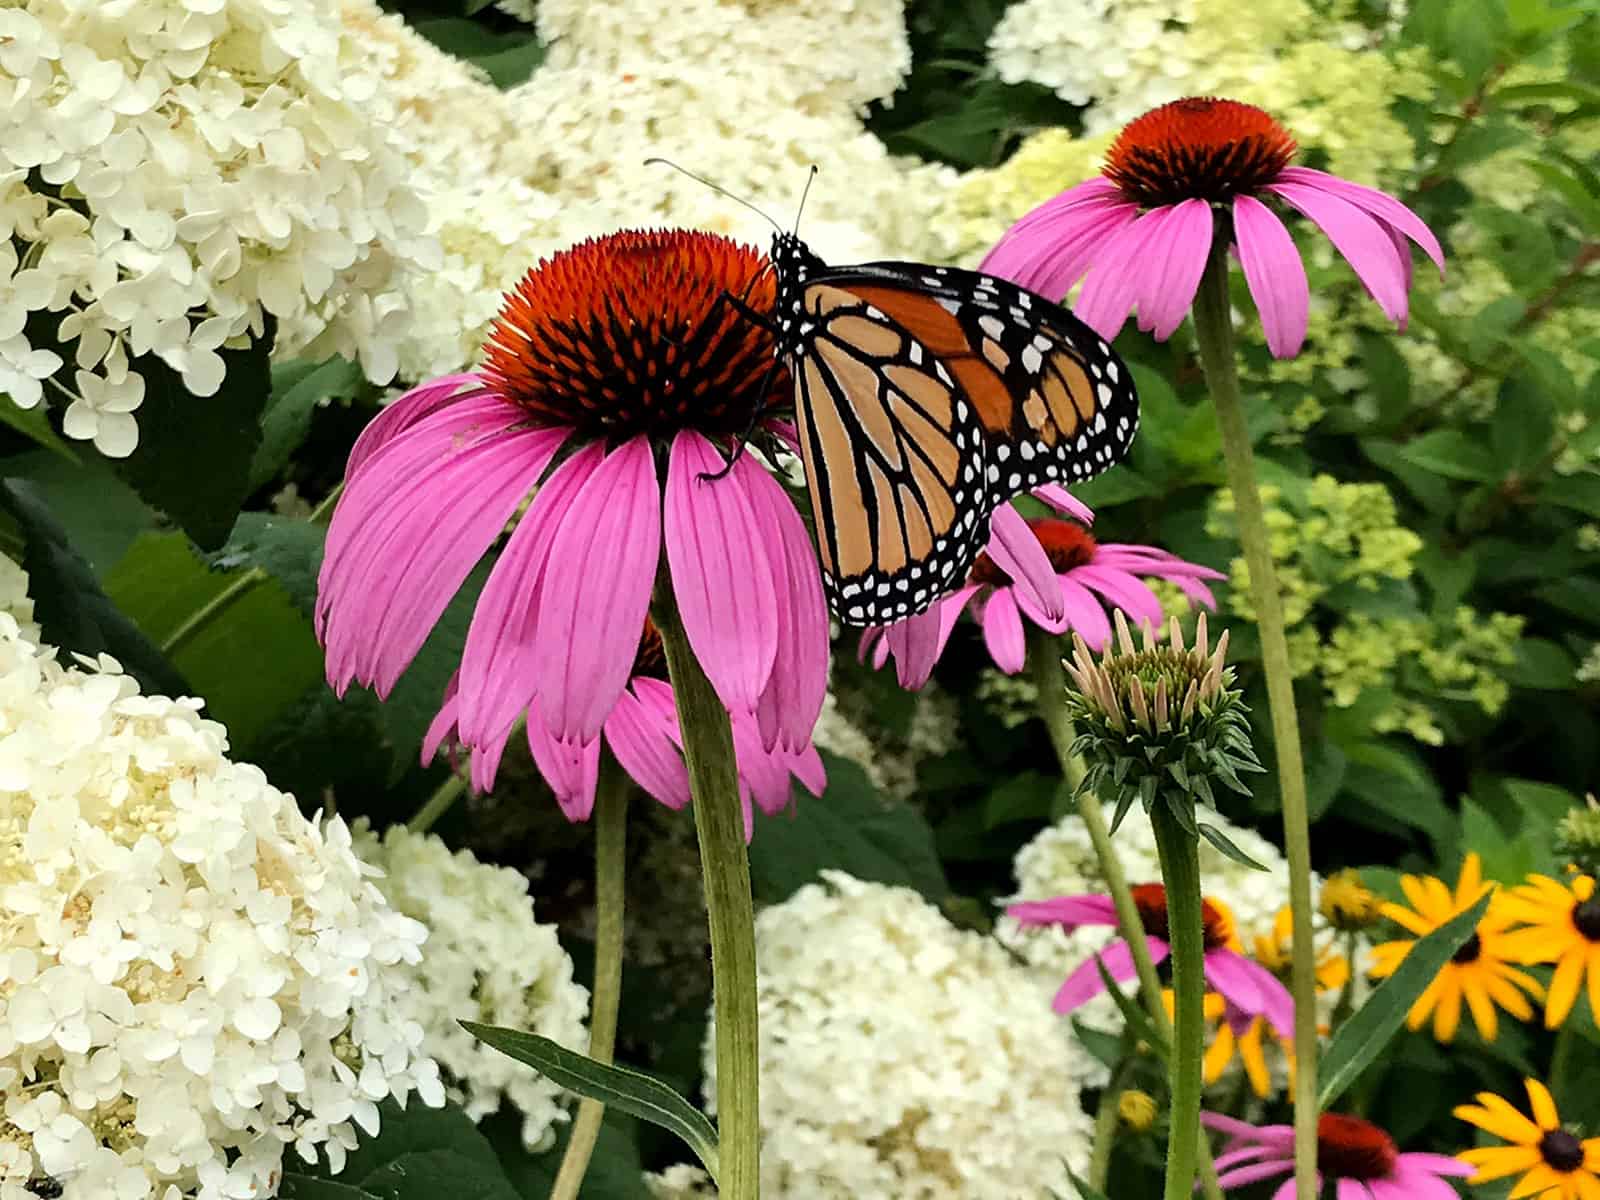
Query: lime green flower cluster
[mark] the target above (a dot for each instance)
(1325, 535)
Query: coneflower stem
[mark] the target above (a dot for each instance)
(1050, 680)
(1213, 324)
(1106, 1119)
(1180, 872)
(610, 859)
(725, 871)
(443, 799)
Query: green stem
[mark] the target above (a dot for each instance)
(324, 508)
(1180, 871)
(203, 616)
(1561, 1063)
(1106, 1119)
(1213, 324)
(444, 796)
(725, 868)
(1044, 653)
(610, 857)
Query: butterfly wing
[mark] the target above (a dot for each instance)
(925, 398)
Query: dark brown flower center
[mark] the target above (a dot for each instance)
(630, 333)
(1561, 1150)
(1198, 148)
(1469, 952)
(1350, 1148)
(1066, 544)
(1151, 901)
(1586, 918)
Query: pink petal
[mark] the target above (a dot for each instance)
(1085, 983)
(486, 757)
(645, 750)
(1380, 204)
(1002, 631)
(1434, 1164)
(571, 768)
(1120, 275)
(399, 416)
(499, 665)
(792, 699)
(1244, 1154)
(1357, 236)
(806, 766)
(1276, 276)
(1178, 245)
(1251, 988)
(873, 647)
(596, 592)
(1067, 911)
(1244, 1131)
(915, 644)
(764, 772)
(1051, 247)
(1286, 1192)
(1063, 501)
(1015, 549)
(1125, 591)
(443, 726)
(1352, 1189)
(1085, 614)
(721, 575)
(410, 527)
(1244, 1175)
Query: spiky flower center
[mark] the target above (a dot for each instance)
(1065, 543)
(1586, 918)
(1561, 1151)
(1350, 1148)
(1151, 901)
(632, 333)
(1198, 148)
(1177, 666)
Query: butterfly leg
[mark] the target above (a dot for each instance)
(741, 306)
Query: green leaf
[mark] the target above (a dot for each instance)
(288, 550)
(1085, 1192)
(1225, 844)
(632, 1092)
(1579, 492)
(851, 828)
(420, 1153)
(1567, 184)
(615, 1170)
(68, 603)
(298, 387)
(1540, 664)
(236, 636)
(99, 513)
(194, 453)
(1139, 1022)
(34, 424)
(507, 58)
(1453, 455)
(1365, 1035)
(1029, 796)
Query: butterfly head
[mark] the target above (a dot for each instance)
(793, 264)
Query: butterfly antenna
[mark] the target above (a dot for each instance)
(701, 179)
(806, 191)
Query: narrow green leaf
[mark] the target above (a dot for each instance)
(632, 1092)
(1085, 1192)
(1139, 1022)
(1226, 845)
(1363, 1037)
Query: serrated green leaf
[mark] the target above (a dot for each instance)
(632, 1092)
(507, 58)
(298, 387)
(1363, 1037)
(34, 424)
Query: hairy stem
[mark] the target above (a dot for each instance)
(1180, 871)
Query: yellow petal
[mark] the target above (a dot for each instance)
(1470, 880)
(1497, 1116)
(1483, 1014)
(1543, 1105)
(1254, 1058)
(1563, 990)
(1447, 1017)
(1539, 1179)
(1496, 1162)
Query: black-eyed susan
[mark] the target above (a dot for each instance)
(1275, 950)
(1480, 974)
(1562, 927)
(1554, 1162)
(1347, 903)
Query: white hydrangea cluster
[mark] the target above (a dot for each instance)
(14, 599)
(681, 1182)
(193, 977)
(172, 173)
(905, 1059)
(488, 960)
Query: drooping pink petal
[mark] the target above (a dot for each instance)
(486, 755)
(570, 767)
(1434, 1164)
(1286, 1191)
(421, 401)
(1251, 988)
(1271, 1135)
(644, 748)
(498, 664)
(1352, 1189)
(1002, 631)
(1240, 1176)
(1063, 501)
(1085, 983)
(806, 766)
(1244, 1154)
(873, 647)
(792, 699)
(721, 575)
(595, 592)
(1178, 245)
(1067, 911)
(765, 772)
(1360, 238)
(407, 531)
(1120, 275)
(1085, 614)
(1126, 591)
(1380, 204)
(1054, 244)
(443, 726)
(914, 643)
(1015, 549)
(1276, 276)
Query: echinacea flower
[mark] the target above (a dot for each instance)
(1480, 973)
(1362, 1159)
(1555, 1163)
(1562, 927)
(1249, 988)
(643, 734)
(1177, 178)
(612, 364)
(1091, 575)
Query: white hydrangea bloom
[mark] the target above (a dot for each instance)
(176, 171)
(905, 1059)
(681, 1183)
(487, 960)
(193, 977)
(14, 599)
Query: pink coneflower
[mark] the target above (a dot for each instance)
(1249, 988)
(1361, 1157)
(610, 364)
(1179, 176)
(642, 733)
(1090, 574)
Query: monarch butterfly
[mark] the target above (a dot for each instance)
(925, 397)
